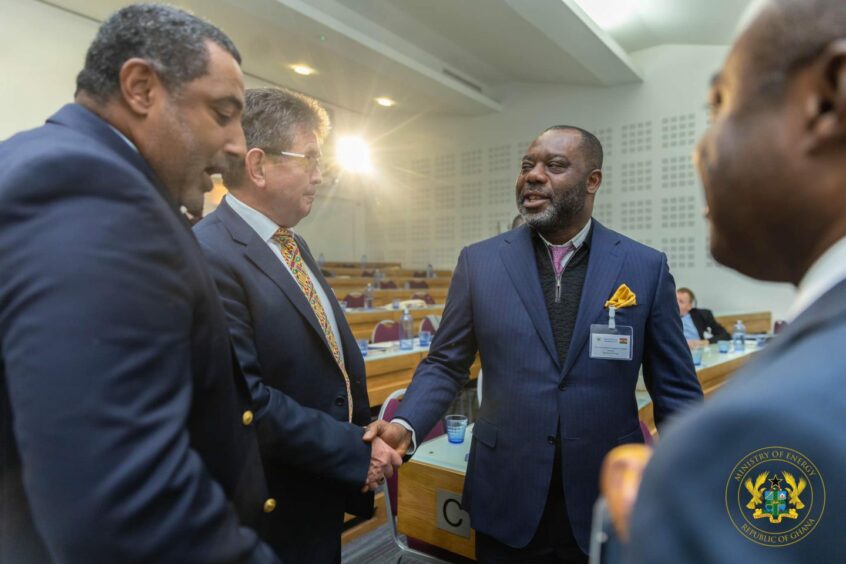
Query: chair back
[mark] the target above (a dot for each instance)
(387, 285)
(368, 273)
(425, 297)
(647, 436)
(386, 412)
(430, 323)
(385, 330)
(417, 284)
(419, 274)
(354, 299)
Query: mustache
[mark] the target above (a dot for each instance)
(534, 190)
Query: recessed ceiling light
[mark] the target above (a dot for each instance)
(385, 102)
(304, 70)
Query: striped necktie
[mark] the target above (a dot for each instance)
(291, 255)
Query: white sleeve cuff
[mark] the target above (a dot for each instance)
(408, 426)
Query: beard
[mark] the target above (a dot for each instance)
(562, 209)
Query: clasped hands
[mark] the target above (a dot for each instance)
(389, 442)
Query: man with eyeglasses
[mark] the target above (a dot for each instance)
(294, 345)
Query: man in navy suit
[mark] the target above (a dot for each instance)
(556, 400)
(126, 433)
(754, 475)
(303, 365)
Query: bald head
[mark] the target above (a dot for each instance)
(785, 35)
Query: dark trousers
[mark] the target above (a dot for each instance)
(553, 542)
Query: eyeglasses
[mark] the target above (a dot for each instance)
(312, 162)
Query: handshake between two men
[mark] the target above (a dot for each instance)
(389, 442)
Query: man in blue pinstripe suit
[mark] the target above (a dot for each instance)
(525, 301)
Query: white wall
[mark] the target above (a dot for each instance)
(455, 183)
(42, 48)
(445, 183)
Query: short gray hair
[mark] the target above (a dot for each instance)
(271, 119)
(171, 40)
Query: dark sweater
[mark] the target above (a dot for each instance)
(562, 314)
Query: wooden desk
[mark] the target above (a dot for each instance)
(392, 370)
(389, 271)
(355, 264)
(715, 371)
(417, 494)
(758, 322)
(440, 466)
(386, 297)
(344, 285)
(362, 321)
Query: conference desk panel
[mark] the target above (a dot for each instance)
(439, 465)
(362, 321)
(387, 271)
(347, 284)
(386, 297)
(367, 265)
(391, 370)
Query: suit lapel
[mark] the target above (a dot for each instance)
(518, 256)
(604, 265)
(268, 263)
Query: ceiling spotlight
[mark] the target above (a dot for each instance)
(385, 102)
(304, 70)
(353, 154)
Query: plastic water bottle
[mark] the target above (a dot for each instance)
(321, 260)
(430, 272)
(738, 335)
(368, 297)
(406, 331)
(363, 262)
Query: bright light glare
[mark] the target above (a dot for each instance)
(609, 14)
(385, 102)
(353, 154)
(304, 70)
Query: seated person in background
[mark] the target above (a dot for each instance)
(700, 327)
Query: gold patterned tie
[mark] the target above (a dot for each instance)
(291, 254)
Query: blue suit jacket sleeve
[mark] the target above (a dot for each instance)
(681, 511)
(289, 433)
(96, 330)
(440, 376)
(668, 370)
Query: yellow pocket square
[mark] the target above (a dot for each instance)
(623, 297)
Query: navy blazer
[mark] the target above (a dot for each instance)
(791, 396)
(496, 306)
(315, 460)
(121, 421)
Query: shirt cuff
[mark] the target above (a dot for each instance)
(407, 425)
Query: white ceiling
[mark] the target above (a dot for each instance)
(445, 57)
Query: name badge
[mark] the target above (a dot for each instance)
(611, 343)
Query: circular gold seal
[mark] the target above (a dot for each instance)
(775, 496)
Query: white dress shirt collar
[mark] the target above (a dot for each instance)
(576, 241)
(261, 224)
(124, 137)
(823, 275)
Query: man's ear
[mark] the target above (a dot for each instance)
(139, 85)
(825, 99)
(594, 181)
(254, 166)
